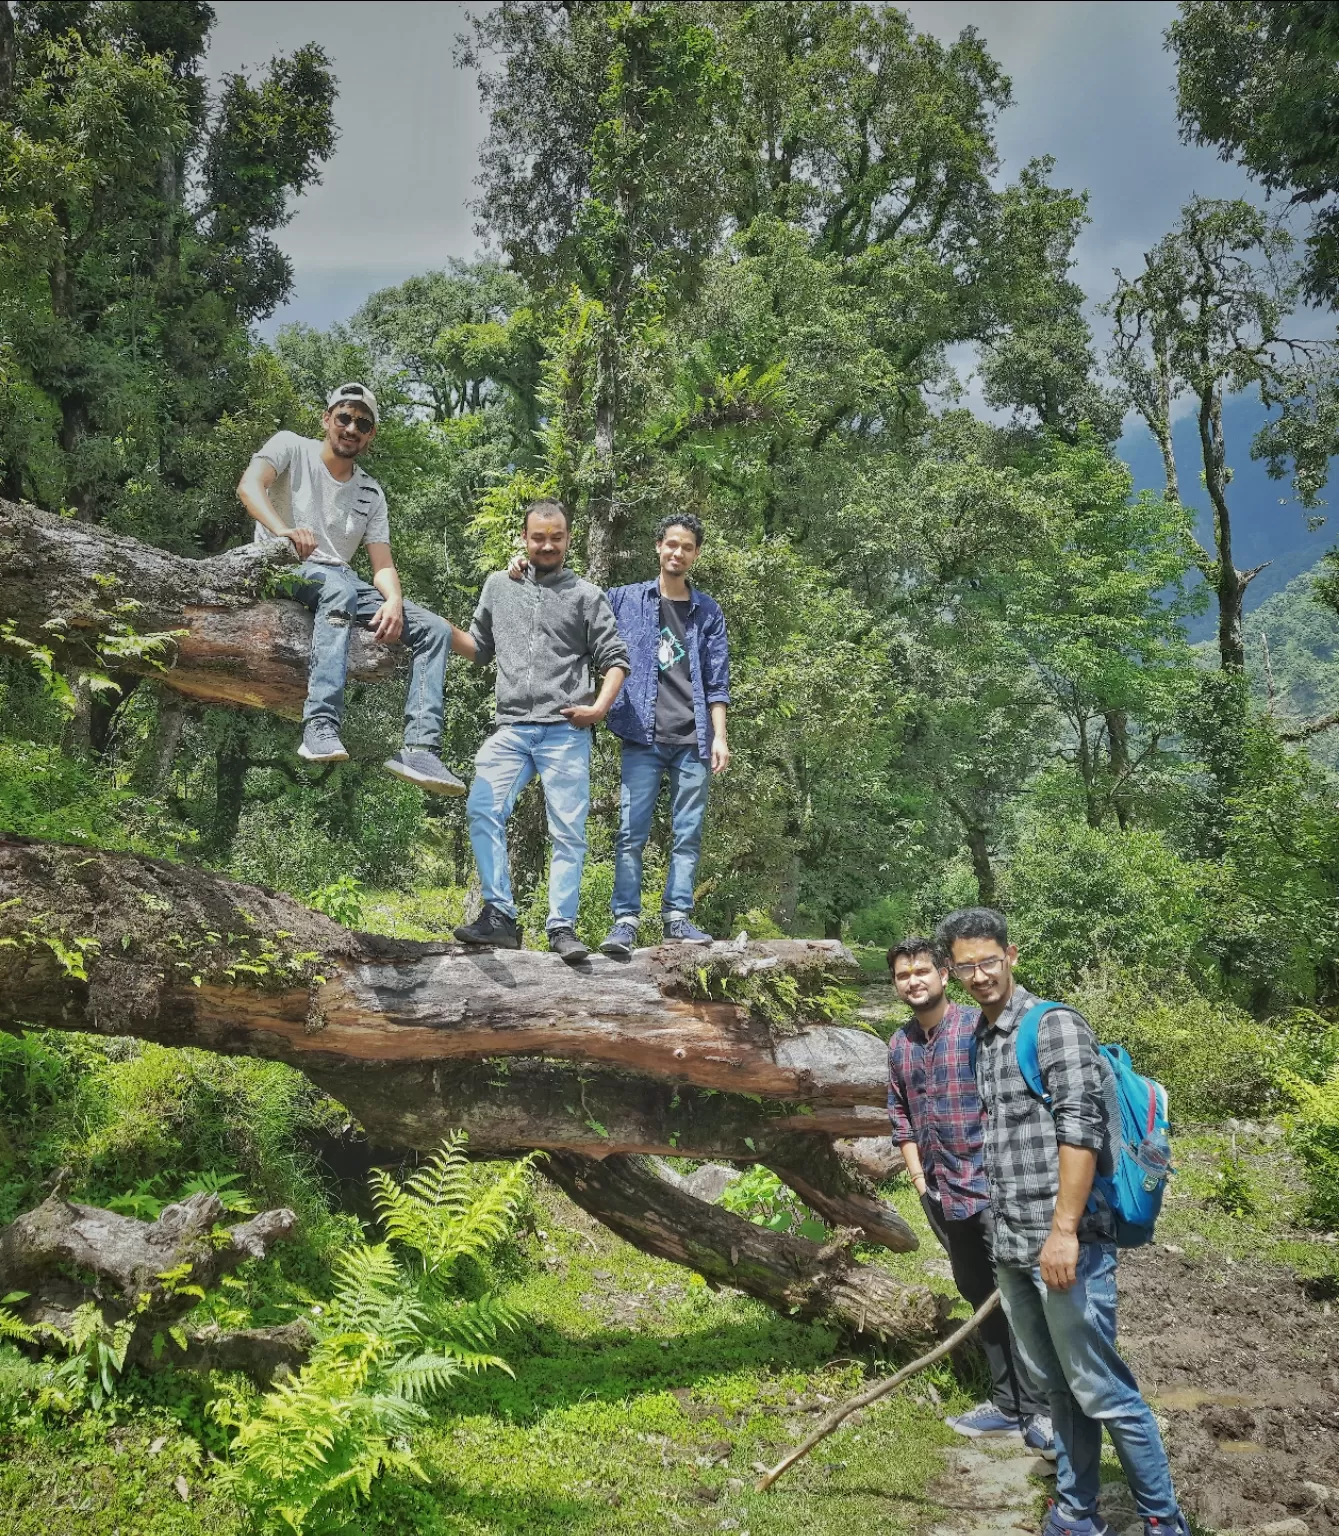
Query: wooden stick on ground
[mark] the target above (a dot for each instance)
(878, 1390)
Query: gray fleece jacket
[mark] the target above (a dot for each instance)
(551, 637)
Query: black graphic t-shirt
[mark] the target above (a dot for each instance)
(676, 724)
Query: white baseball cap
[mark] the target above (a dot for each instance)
(348, 393)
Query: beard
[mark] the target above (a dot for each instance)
(546, 562)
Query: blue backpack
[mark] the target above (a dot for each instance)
(1134, 1185)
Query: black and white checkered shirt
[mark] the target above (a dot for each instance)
(1022, 1134)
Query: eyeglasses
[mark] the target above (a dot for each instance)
(968, 969)
(361, 424)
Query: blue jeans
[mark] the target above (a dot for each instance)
(505, 764)
(340, 599)
(643, 769)
(1068, 1343)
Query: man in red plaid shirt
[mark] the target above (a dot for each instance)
(936, 1120)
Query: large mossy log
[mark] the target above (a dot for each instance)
(125, 945)
(590, 1063)
(69, 586)
(789, 1273)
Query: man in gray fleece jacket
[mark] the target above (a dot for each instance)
(551, 634)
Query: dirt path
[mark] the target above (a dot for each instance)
(987, 1489)
(1241, 1362)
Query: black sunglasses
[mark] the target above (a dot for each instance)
(363, 424)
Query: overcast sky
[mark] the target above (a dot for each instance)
(1092, 86)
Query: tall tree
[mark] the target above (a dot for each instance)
(138, 224)
(601, 173)
(1208, 317)
(1255, 78)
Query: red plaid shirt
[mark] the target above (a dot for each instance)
(932, 1100)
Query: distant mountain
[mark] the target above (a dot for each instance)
(1302, 640)
(1267, 523)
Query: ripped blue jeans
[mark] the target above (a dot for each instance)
(340, 599)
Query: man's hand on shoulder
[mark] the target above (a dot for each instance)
(388, 622)
(517, 566)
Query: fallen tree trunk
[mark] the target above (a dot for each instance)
(789, 1273)
(145, 1271)
(517, 1049)
(85, 594)
(124, 945)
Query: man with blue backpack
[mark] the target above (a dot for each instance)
(1076, 1155)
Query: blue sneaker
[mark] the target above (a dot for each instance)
(1166, 1525)
(621, 940)
(1057, 1524)
(1039, 1435)
(678, 930)
(985, 1419)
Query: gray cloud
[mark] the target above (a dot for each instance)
(1093, 86)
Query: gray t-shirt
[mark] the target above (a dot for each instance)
(343, 514)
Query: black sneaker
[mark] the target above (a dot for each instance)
(492, 927)
(422, 766)
(565, 944)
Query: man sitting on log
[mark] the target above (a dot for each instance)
(1055, 1248)
(551, 634)
(314, 494)
(936, 1118)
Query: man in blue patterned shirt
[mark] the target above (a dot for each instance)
(1055, 1254)
(935, 1113)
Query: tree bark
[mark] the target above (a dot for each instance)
(42, 1251)
(796, 1276)
(186, 957)
(67, 585)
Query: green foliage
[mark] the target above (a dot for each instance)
(1253, 79)
(392, 1337)
(1233, 1191)
(342, 900)
(97, 1356)
(1314, 1132)
(1080, 897)
(766, 1201)
(1214, 1059)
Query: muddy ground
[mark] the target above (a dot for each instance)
(1242, 1363)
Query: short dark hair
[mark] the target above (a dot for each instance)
(681, 520)
(910, 947)
(972, 923)
(547, 506)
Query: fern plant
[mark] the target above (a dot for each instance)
(393, 1336)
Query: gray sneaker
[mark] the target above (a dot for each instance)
(420, 766)
(321, 743)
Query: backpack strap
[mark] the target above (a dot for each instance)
(1025, 1049)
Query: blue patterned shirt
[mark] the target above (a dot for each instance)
(933, 1101)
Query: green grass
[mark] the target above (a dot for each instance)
(1271, 1228)
(642, 1401)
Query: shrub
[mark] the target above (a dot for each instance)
(1214, 1059)
(1080, 897)
(1313, 1130)
(397, 1332)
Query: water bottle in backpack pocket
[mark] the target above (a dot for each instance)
(1132, 1173)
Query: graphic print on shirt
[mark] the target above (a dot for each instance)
(671, 651)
